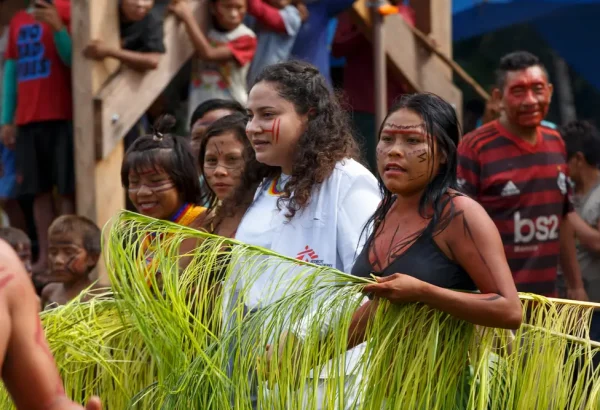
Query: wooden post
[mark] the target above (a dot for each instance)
(99, 192)
(420, 70)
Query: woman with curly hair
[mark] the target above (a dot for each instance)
(318, 198)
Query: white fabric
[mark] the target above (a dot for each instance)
(327, 233)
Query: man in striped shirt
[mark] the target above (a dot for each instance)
(516, 168)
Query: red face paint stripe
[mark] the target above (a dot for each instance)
(277, 135)
(5, 280)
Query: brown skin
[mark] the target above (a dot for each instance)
(28, 368)
(223, 169)
(227, 13)
(274, 128)
(70, 267)
(471, 239)
(201, 125)
(153, 194)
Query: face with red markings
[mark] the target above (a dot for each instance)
(229, 13)
(153, 193)
(404, 153)
(67, 258)
(224, 164)
(199, 128)
(274, 127)
(526, 97)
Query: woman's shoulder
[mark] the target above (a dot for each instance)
(351, 169)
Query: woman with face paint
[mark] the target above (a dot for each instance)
(318, 198)
(430, 243)
(232, 173)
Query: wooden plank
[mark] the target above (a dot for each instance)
(408, 59)
(114, 102)
(422, 10)
(91, 20)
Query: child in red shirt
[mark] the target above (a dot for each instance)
(37, 110)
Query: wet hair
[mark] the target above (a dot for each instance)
(213, 105)
(14, 237)
(81, 227)
(441, 125)
(169, 152)
(254, 172)
(582, 136)
(327, 138)
(516, 61)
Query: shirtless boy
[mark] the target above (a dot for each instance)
(28, 369)
(73, 252)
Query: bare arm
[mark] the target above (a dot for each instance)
(28, 371)
(587, 235)
(474, 243)
(136, 60)
(568, 260)
(203, 47)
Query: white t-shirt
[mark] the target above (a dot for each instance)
(328, 232)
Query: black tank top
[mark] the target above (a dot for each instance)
(423, 260)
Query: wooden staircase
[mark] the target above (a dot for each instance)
(407, 55)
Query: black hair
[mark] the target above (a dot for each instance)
(516, 61)
(170, 152)
(254, 172)
(441, 125)
(327, 138)
(14, 236)
(81, 226)
(582, 136)
(213, 105)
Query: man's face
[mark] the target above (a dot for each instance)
(526, 96)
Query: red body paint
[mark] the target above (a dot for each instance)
(526, 96)
(5, 280)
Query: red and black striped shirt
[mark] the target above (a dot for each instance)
(524, 189)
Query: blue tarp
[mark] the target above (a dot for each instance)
(570, 27)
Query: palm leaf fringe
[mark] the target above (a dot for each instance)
(179, 340)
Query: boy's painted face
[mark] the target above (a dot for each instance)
(24, 252)
(229, 13)
(201, 125)
(224, 164)
(67, 258)
(404, 154)
(274, 127)
(526, 96)
(153, 193)
(136, 10)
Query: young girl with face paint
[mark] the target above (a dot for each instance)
(429, 242)
(320, 198)
(161, 179)
(231, 171)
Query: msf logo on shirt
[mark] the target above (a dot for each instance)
(309, 255)
(32, 63)
(542, 228)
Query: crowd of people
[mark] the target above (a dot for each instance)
(271, 158)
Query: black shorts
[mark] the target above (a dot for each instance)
(44, 158)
